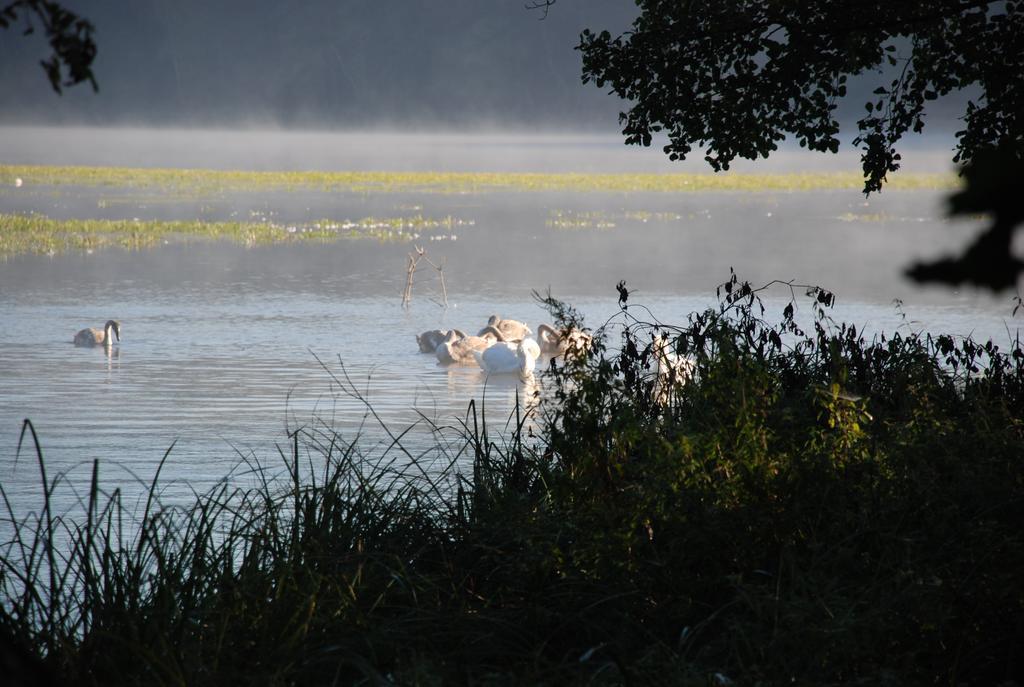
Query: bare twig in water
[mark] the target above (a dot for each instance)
(409, 272)
(414, 258)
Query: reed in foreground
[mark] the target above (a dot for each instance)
(803, 507)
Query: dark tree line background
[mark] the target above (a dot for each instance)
(316, 64)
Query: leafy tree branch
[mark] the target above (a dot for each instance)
(69, 36)
(734, 79)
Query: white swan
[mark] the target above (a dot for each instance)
(99, 337)
(512, 330)
(554, 342)
(673, 371)
(461, 350)
(509, 358)
(429, 340)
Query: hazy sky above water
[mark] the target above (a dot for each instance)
(322, 63)
(337, 64)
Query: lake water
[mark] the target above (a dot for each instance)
(224, 347)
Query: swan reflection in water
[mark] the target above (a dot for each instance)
(495, 396)
(113, 359)
(528, 390)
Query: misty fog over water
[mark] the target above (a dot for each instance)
(406, 150)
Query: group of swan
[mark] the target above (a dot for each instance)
(502, 346)
(99, 337)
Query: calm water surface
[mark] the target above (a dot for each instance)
(223, 347)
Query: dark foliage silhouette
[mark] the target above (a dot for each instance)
(737, 78)
(69, 35)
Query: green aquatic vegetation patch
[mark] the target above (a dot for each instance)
(206, 181)
(648, 216)
(880, 217)
(142, 200)
(41, 235)
(566, 219)
(577, 219)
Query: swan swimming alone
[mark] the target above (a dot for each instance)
(512, 330)
(461, 350)
(509, 358)
(554, 342)
(429, 340)
(99, 337)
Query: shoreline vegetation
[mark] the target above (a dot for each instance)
(808, 508)
(206, 181)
